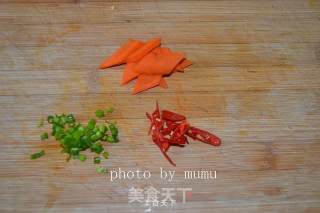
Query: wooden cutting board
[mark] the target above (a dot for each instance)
(255, 82)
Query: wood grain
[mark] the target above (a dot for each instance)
(255, 82)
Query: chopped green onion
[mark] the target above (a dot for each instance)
(102, 128)
(110, 139)
(44, 136)
(110, 110)
(50, 119)
(104, 138)
(74, 138)
(91, 124)
(37, 155)
(70, 118)
(74, 151)
(116, 140)
(97, 148)
(96, 160)
(101, 170)
(100, 113)
(99, 135)
(82, 157)
(113, 129)
(81, 128)
(63, 119)
(94, 138)
(105, 155)
(56, 120)
(95, 129)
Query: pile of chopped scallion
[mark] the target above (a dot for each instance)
(74, 138)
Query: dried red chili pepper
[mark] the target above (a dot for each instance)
(169, 128)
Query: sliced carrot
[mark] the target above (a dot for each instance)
(184, 64)
(163, 83)
(145, 82)
(144, 50)
(160, 61)
(128, 74)
(148, 62)
(137, 47)
(120, 56)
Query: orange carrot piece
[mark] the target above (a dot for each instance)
(128, 74)
(145, 82)
(163, 83)
(138, 47)
(161, 61)
(144, 50)
(184, 64)
(120, 56)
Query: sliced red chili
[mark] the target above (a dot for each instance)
(170, 123)
(151, 122)
(168, 128)
(182, 140)
(156, 114)
(168, 158)
(204, 136)
(180, 130)
(172, 116)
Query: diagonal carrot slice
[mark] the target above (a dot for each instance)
(184, 64)
(145, 82)
(163, 83)
(144, 50)
(148, 62)
(161, 61)
(128, 74)
(120, 56)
